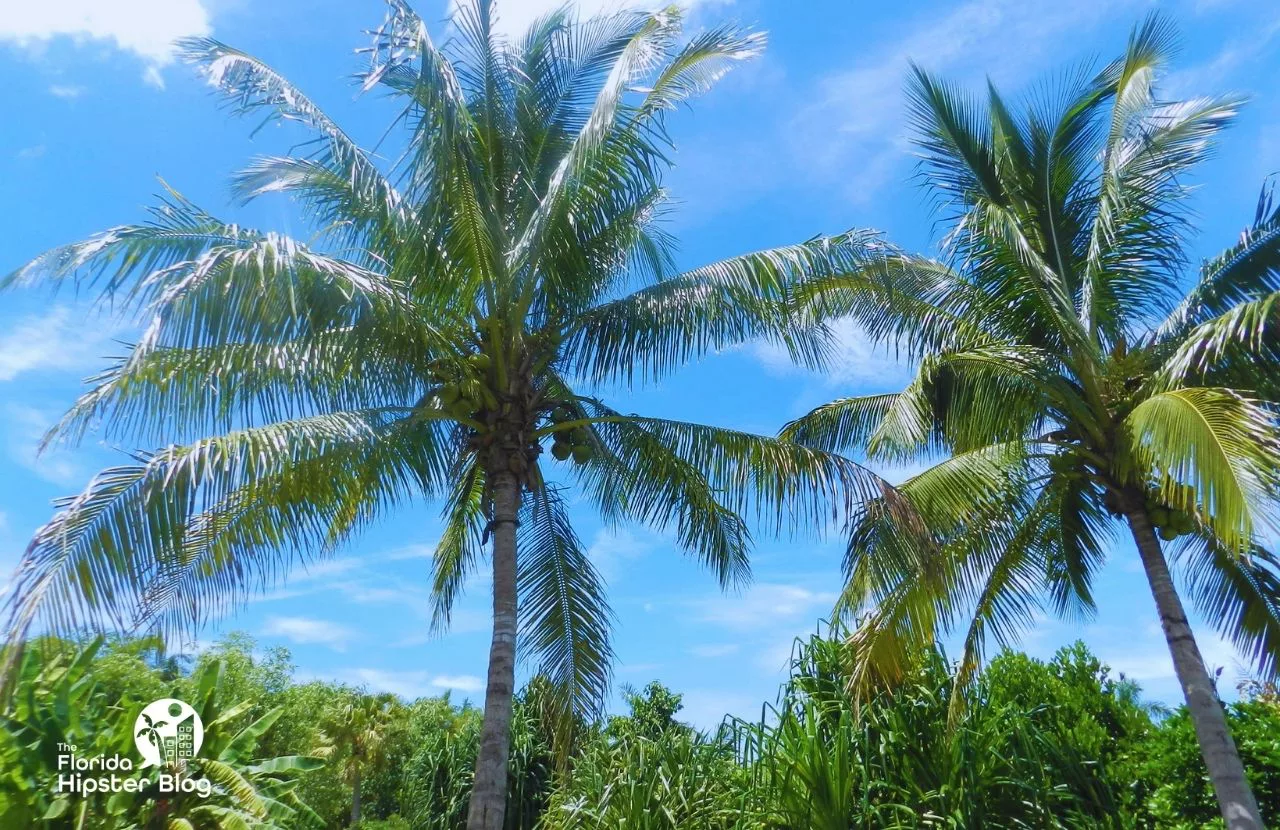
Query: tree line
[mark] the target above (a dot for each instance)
(1061, 743)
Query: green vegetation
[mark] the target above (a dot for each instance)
(1057, 744)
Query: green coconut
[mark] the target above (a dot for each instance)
(450, 393)
(582, 453)
(561, 451)
(1168, 534)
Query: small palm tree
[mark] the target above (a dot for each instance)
(359, 724)
(447, 322)
(152, 730)
(1066, 379)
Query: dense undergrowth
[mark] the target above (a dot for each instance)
(1035, 744)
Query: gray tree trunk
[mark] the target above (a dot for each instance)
(489, 793)
(1235, 799)
(355, 798)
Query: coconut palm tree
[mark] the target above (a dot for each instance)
(456, 311)
(360, 724)
(1067, 378)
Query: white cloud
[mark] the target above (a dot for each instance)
(856, 126)
(58, 340)
(145, 28)
(151, 77)
(66, 91)
(414, 684)
(27, 426)
(766, 605)
(611, 550)
(706, 709)
(458, 682)
(306, 631)
(855, 359)
(35, 151)
(638, 668)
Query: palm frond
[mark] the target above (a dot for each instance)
(564, 617)
(177, 535)
(1242, 273)
(664, 325)
(1238, 593)
(460, 544)
(1212, 452)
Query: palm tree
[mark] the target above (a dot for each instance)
(360, 724)
(450, 317)
(1066, 379)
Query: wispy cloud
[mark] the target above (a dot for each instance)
(611, 551)
(66, 91)
(712, 650)
(309, 631)
(60, 339)
(413, 684)
(766, 605)
(855, 360)
(144, 28)
(26, 428)
(1230, 65)
(855, 125)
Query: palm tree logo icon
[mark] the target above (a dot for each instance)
(167, 731)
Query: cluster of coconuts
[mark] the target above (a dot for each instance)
(462, 389)
(1170, 522)
(568, 443)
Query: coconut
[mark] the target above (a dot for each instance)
(561, 451)
(582, 453)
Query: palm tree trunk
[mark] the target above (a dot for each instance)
(355, 798)
(489, 793)
(1235, 799)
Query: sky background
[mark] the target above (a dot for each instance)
(808, 139)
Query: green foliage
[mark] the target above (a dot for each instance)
(1047, 744)
(652, 713)
(824, 760)
(60, 699)
(1180, 796)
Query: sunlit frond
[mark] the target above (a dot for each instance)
(191, 530)
(665, 325)
(564, 616)
(1211, 451)
(1238, 593)
(460, 546)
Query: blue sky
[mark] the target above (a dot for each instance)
(808, 139)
